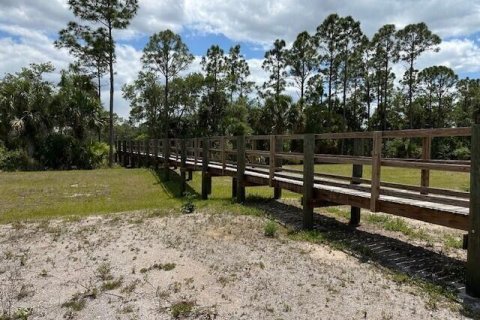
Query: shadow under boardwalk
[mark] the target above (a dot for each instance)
(394, 254)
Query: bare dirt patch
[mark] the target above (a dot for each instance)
(196, 266)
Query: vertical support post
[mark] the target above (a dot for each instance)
(155, 153)
(426, 154)
(124, 153)
(376, 169)
(205, 174)
(175, 142)
(473, 246)
(272, 159)
(222, 147)
(190, 175)
(117, 150)
(277, 192)
(147, 153)
(166, 158)
(130, 153)
(357, 172)
(234, 188)
(139, 153)
(308, 171)
(183, 162)
(240, 169)
(195, 150)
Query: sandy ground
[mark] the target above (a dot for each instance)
(138, 266)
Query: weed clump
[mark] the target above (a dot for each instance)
(188, 205)
(182, 309)
(270, 229)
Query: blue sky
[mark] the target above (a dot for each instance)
(29, 27)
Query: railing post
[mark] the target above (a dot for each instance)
(130, 153)
(183, 165)
(426, 154)
(308, 175)
(473, 247)
(147, 153)
(277, 191)
(241, 169)
(124, 153)
(195, 151)
(234, 188)
(272, 159)
(166, 158)
(117, 150)
(155, 153)
(222, 147)
(357, 172)
(139, 153)
(206, 179)
(376, 170)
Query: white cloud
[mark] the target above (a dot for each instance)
(462, 55)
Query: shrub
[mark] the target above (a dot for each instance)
(270, 229)
(61, 151)
(96, 154)
(462, 153)
(402, 148)
(11, 160)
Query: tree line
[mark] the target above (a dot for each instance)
(342, 80)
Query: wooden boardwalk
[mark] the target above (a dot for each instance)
(269, 161)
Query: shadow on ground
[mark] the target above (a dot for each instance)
(172, 185)
(401, 257)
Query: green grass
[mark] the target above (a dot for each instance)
(438, 179)
(39, 195)
(26, 196)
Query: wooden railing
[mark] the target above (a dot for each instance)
(270, 160)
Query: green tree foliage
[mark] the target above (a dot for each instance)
(328, 39)
(276, 103)
(214, 101)
(46, 126)
(89, 46)
(26, 99)
(413, 40)
(110, 15)
(302, 59)
(165, 53)
(436, 94)
(385, 54)
(237, 73)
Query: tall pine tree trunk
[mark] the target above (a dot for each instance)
(110, 64)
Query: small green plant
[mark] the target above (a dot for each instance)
(452, 242)
(270, 229)
(76, 303)
(188, 206)
(159, 266)
(112, 284)
(182, 309)
(104, 272)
